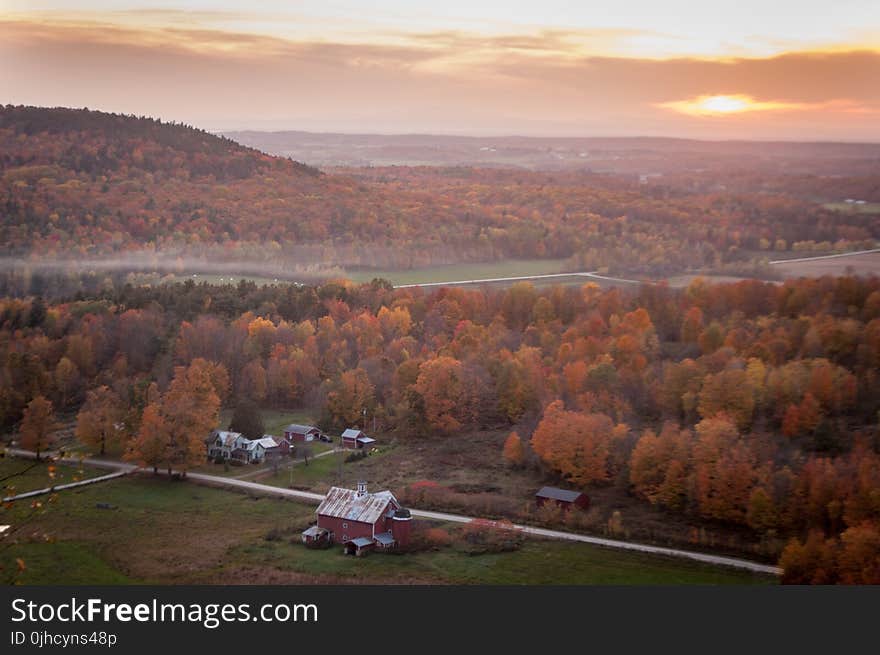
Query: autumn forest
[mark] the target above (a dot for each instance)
(748, 406)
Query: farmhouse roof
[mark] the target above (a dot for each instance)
(345, 504)
(558, 494)
(266, 442)
(228, 438)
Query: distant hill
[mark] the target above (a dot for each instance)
(80, 185)
(623, 155)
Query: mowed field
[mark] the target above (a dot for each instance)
(457, 272)
(165, 532)
(21, 475)
(859, 264)
(449, 273)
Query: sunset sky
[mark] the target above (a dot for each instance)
(748, 69)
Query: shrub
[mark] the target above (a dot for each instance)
(481, 537)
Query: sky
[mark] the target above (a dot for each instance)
(755, 69)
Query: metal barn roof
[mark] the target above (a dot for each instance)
(352, 433)
(345, 504)
(385, 538)
(300, 429)
(558, 494)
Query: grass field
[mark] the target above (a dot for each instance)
(441, 273)
(852, 208)
(454, 272)
(862, 264)
(320, 474)
(274, 420)
(175, 532)
(21, 475)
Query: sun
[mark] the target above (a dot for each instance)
(727, 105)
(724, 104)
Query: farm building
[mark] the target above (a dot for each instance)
(235, 447)
(302, 433)
(359, 520)
(281, 447)
(354, 438)
(562, 497)
(227, 445)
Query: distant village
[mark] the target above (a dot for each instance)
(235, 448)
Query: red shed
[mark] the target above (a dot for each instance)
(356, 517)
(301, 433)
(354, 438)
(562, 497)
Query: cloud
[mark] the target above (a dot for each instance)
(540, 83)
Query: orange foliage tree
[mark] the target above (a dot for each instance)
(513, 450)
(575, 445)
(99, 421)
(37, 425)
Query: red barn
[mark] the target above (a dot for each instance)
(301, 433)
(360, 520)
(354, 438)
(562, 497)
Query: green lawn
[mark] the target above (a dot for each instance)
(166, 532)
(321, 472)
(274, 420)
(65, 562)
(536, 562)
(455, 272)
(440, 273)
(21, 475)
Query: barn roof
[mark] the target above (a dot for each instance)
(360, 542)
(345, 504)
(385, 538)
(558, 494)
(300, 429)
(352, 433)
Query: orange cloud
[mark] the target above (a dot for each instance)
(440, 82)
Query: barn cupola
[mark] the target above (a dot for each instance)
(362, 489)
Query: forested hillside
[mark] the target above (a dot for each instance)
(748, 405)
(78, 184)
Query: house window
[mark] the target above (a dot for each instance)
(345, 537)
(345, 525)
